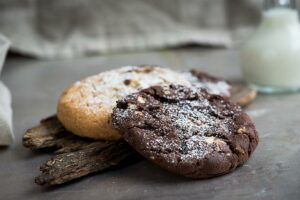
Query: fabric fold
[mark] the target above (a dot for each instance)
(6, 126)
(6, 130)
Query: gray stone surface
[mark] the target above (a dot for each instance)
(273, 172)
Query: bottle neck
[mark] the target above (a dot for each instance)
(280, 12)
(271, 4)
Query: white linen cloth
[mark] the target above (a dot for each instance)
(75, 28)
(6, 127)
(6, 130)
(51, 29)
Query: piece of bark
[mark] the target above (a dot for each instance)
(72, 165)
(48, 133)
(76, 156)
(242, 94)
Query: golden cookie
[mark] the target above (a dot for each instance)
(85, 107)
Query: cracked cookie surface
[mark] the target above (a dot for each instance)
(186, 130)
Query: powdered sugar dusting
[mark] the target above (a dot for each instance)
(218, 88)
(101, 91)
(194, 122)
(107, 87)
(197, 147)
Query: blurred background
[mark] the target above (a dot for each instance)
(53, 43)
(66, 29)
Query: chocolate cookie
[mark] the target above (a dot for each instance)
(186, 130)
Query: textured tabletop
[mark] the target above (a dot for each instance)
(273, 172)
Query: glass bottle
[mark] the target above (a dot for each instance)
(270, 60)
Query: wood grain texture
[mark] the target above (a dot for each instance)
(74, 156)
(93, 157)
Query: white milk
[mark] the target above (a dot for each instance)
(271, 58)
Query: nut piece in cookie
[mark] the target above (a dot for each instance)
(186, 130)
